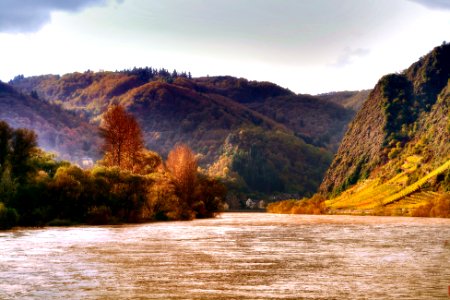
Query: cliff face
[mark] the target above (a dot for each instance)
(361, 146)
(406, 113)
(433, 135)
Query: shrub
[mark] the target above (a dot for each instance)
(441, 207)
(60, 222)
(8, 217)
(437, 208)
(312, 206)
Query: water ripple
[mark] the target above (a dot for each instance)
(236, 256)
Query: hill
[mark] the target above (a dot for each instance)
(240, 89)
(319, 122)
(316, 121)
(60, 131)
(274, 134)
(348, 99)
(395, 155)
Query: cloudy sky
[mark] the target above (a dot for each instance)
(308, 46)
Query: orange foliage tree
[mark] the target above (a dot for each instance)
(123, 141)
(182, 164)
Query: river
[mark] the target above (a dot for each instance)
(235, 256)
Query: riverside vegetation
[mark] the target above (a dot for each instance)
(130, 183)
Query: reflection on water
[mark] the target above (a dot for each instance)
(236, 256)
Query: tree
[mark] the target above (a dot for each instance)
(23, 144)
(182, 165)
(162, 202)
(149, 162)
(8, 217)
(5, 137)
(34, 94)
(123, 141)
(210, 194)
(8, 186)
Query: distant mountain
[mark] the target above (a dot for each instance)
(348, 99)
(317, 121)
(240, 89)
(292, 136)
(398, 145)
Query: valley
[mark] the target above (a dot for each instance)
(231, 123)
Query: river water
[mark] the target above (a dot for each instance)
(235, 256)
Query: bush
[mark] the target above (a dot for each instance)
(99, 215)
(312, 206)
(8, 217)
(437, 208)
(60, 222)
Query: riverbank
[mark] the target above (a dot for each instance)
(436, 205)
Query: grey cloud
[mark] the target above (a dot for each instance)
(348, 55)
(19, 16)
(434, 4)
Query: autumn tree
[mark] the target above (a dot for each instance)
(149, 162)
(123, 141)
(182, 165)
(162, 200)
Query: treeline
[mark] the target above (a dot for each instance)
(130, 184)
(145, 74)
(149, 73)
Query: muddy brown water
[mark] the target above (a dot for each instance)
(235, 256)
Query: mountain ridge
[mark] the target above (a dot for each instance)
(207, 113)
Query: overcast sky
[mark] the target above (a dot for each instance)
(308, 46)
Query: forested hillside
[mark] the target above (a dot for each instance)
(348, 99)
(295, 134)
